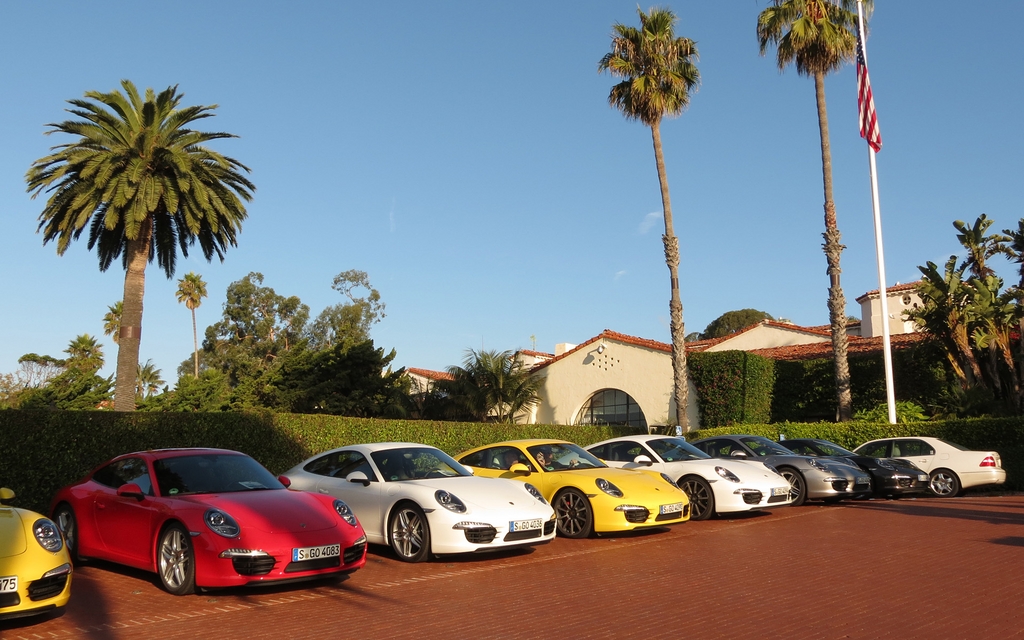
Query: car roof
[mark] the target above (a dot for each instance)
(157, 454)
(640, 437)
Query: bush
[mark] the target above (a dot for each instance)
(733, 387)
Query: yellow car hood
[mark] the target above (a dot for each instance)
(12, 533)
(629, 481)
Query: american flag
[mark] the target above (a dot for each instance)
(865, 102)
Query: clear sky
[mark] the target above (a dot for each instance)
(464, 155)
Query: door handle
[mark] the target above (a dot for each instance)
(322, 490)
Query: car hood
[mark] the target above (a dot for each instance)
(271, 510)
(744, 469)
(12, 533)
(481, 492)
(628, 480)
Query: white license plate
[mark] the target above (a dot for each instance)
(863, 480)
(780, 491)
(923, 477)
(675, 507)
(525, 525)
(8, 584)
(315, 553)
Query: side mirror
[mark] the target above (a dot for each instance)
(131, 490)
(358, 477)
(643, 460)
(285, 481)
(738, 453)
(6, 495)
(519, 468)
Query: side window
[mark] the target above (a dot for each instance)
(504, 457)
(339, 464)
(624, 451)
(476, 459)
(124, 471)
(718, 448)
(802, 449)
(600, 451)
(915, 448)
(321, 466)
(877, 450)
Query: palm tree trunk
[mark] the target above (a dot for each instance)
(130, 337)
(833, 248)
(195, 342)
(680, 373)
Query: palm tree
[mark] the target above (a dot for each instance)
(145, 185)
(147, 380)
(85, 352)
(112, 320)
(191, 291)
(491, 384)
(658, 74)
(818, 35)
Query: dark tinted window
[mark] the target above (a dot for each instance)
(874, 449)
(911, 448)
(676, 449)
(624, 451)
(601, 451)
(719, 448)
(341, 463)
(800, 447)
(475, 459)
(124, 471)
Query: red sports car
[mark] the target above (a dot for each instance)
(207, 518)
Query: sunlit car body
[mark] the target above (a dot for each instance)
(712, 485)
(420, 501)
(809, 478)
(35, 568)
(207, 518)
(889, 477)
(588, 495)
(950, 467)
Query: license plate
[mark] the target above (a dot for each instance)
(525, 525)
(923, 477)
(780, 491)
(8, 584)
(863, 480)
(315, 553)
(675, 507)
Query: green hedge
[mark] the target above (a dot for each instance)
(43, 451)
(1003, 435)
(733, 387)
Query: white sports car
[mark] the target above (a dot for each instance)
(420, 501)
(950, 467)
(714, 486)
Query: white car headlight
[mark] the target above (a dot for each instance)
(47, 535)
(726, 474)
(345, 512)
(534, 492)
(608, 488)
(449, 501)
(221, 523)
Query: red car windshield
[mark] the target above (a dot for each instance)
(211, 473)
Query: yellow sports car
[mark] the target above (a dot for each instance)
(588, 495)
(35, 568)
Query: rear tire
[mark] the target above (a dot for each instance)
(944, 483)
(702, 498)
(797, 485)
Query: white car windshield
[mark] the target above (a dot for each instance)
(676, 450)
(416, 463)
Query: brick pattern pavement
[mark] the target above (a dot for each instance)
(903, 569)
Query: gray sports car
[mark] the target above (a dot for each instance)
(809, 478)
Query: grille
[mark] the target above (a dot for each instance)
(636, 516)
(46, 587)
(481, 535)
(753, 497)
(781, 498)
(906, 483)
(522, 535)
(669, 516)
(313, 565)
(354, 552)
(840, 485)
(9, 599)
(253, 566)
(549, 526)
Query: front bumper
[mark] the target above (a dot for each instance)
(615, 515)
(453, 533)
(898, 483)
(729, 499)
(837, 485)
(37, 593)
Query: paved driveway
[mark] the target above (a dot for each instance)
(922, 568)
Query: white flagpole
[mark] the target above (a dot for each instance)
(890, 396)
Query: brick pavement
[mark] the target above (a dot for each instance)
(903, 569)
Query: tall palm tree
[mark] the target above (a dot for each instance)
(147, 380)
(145, 185)
(658, 74)
(191, 291)
(819, 36)
(112, 320)
(85, 352)
(491, 384)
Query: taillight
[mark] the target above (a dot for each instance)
(989, 461)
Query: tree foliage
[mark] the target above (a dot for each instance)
(347, 324)
(733, 321)
(489, 386)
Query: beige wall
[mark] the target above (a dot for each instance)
(766, 337)
(899, 301)
(645, 374)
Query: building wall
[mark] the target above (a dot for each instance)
(899, 301)
(645, 374)
(765, 337)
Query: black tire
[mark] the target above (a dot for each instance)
(702, 498)
(64, 518)
(409, 533)
(944, 483)
(176, 561)
(797, 485)
(574, 517)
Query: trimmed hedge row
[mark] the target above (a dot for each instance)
(732, 386)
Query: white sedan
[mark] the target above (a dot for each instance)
(951, 468)
(713, 485)
(420, 501)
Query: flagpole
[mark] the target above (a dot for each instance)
(890, 397)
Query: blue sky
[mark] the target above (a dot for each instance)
(464, 155)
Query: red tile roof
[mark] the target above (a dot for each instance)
(910, 286)
(428, 374)
(536, 354)
(702, 345)
(857, 345)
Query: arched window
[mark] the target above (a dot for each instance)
(614, 407)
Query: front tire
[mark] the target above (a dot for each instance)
(944, 483)
(176, 561)
(575, 518)
(702, 499)
(64, 517)
(409, 533)
(797, 485)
